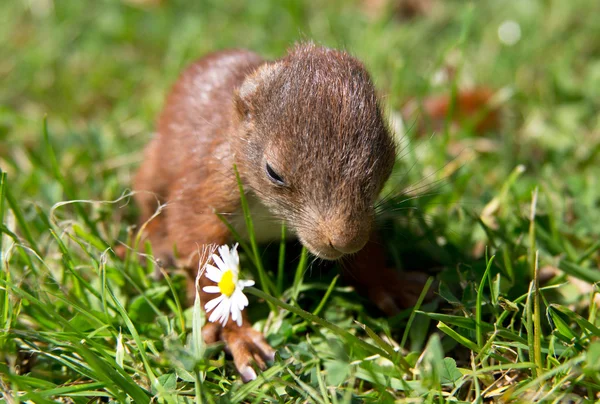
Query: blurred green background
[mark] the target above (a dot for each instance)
(99, 70)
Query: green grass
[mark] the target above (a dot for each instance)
(82, 84)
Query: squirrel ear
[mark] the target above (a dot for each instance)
(251, 85)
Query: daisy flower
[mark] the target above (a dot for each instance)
(226, 276)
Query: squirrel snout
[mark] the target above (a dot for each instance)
(333, 239)
(345, 244)
(347, 238)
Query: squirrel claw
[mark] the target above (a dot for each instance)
(248, 374)
(248, 347)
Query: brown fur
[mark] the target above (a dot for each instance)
(314, 117)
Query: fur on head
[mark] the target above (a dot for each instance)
(314, 146)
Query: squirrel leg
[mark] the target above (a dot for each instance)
(247, 346)
(390, 289)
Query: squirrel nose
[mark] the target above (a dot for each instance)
(348, 240)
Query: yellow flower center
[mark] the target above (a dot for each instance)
(227, 284)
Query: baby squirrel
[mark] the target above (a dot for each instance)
(313, 149)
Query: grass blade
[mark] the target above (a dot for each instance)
(262, 275)
(281, 261)
(415, 310)
(479, 303)
(299, 275)
(457, 337)
(326, 296)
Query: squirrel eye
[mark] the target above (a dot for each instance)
(273, 176)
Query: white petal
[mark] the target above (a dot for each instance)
(235, 256)
(239, 321)
(243, 283)
(211, 289)
(223, 250)
(211, 304)
(225, 255)
(225, 315)
(213, 273)
(215, 316)
(240, 299)
(218, 308)
(219, 262)
(235, 313)
(219, 312)
(226, 305)
(232, 259)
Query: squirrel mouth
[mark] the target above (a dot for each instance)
(325, 252)
(329, 257)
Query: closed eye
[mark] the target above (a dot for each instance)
(273, 176)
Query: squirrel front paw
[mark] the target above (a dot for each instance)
(245, 344)
(394, 290)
